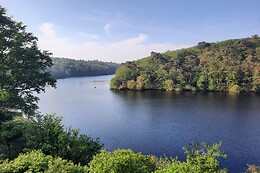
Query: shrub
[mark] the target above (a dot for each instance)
(120, 161)
(199, 159)
(234, 89)
(36, 161)
(253, 169)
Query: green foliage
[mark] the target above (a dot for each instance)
(221, 66)
(256, 80)
(3, 95)
(159, 163)
(253, 169)
(46, 133)
(204, 157)
(120, 161)
(36, 161)
(234, 89)
(203, 45)
(43, 133)
(22, 67)
(64, 68)
(49, 135)
(140, 83)
(131, 84)
(168, 85)
(199, 159)
(12, 140)
(124, 73)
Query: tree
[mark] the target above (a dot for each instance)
(46, 133)
(22, 68)
(202, 45)
(12, 140)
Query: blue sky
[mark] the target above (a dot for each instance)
(122, 30)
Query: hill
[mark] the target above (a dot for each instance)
(64, 68)
(231, 65)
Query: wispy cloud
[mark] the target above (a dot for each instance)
(107, 27)
(87, 35)
(119, 51)
(131, 41)
(48, 30)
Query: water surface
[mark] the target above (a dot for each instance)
(158, 123)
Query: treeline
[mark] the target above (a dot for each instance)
(227, 66)
(64, 68)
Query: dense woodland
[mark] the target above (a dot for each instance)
(31, 142)
(64, 68)
(231, 65)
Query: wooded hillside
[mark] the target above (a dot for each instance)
(64, 68)
(231, 65)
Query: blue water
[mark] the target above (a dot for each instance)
(159, 123)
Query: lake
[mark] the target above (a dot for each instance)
(155, 122)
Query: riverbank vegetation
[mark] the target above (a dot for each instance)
(199, 158)
(227, 66)
(65, 68)
(31, 142)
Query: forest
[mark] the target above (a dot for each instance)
(64, 68)
(31, 142)
(226, 66)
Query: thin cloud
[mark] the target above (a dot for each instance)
(131, 41)
(87, 35)
(48, 30)
(120, 51)
(107, 27)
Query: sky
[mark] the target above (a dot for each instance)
(125, 30)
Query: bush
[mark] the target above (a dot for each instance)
(199, 159)
(234, 89)
(253, 169)
(36, 161)
(120, 161)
